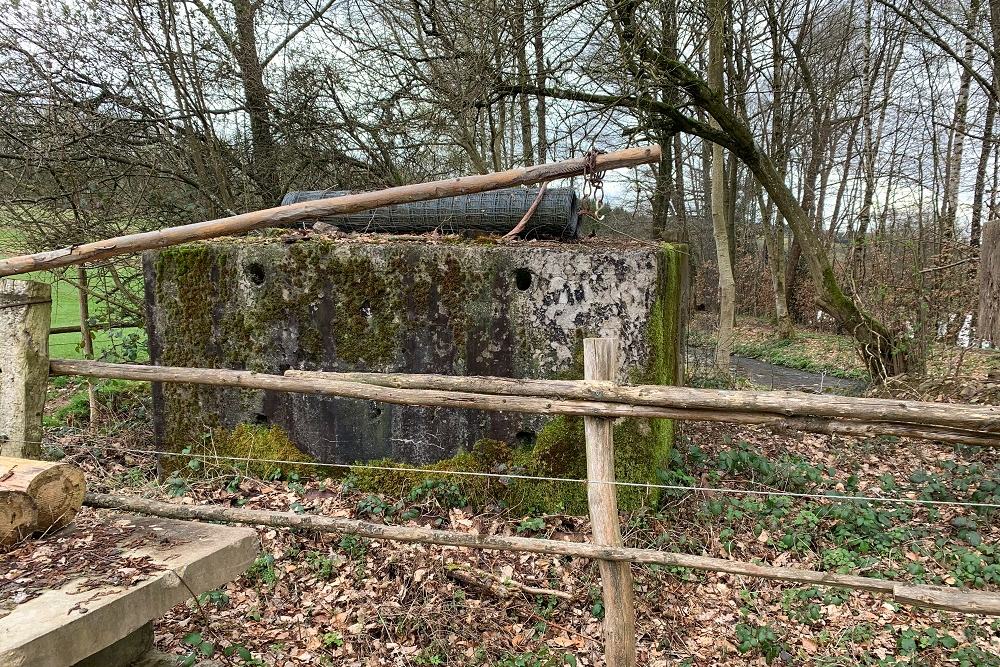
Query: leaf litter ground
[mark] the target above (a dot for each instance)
(341, 600)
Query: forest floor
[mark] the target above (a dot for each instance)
(340, 600)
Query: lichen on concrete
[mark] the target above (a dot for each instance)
(451, 308)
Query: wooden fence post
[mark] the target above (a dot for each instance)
(25, 312)
(600, 362)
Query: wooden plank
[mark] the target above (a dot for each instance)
(309, 210)
(67, 625)
(600, 363)
(25, 310)
(515, 403)
(972, 602)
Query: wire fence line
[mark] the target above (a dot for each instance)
(824, 495)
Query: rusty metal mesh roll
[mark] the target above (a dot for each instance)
(494, 212)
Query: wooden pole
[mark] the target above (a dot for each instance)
(537, 405)
(600, 363)
(784, 403)
(934, 596)
(97, 326)
(283, 215)
(25, 310)
(83, 297)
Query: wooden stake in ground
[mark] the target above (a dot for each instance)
(600, 362)
(83, 295)
(57, 489)
(18, 516)
(25, 311)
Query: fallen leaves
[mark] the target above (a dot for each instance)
(90, 551)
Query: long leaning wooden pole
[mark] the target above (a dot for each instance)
(280, 215)
(787, 403)
(600, 362)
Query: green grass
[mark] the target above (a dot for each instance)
(113, 345)
(122, 344)
(66, 312)
(807, 351)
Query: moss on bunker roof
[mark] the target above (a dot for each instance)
(289, 236)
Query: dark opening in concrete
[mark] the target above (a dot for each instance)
(256, 273)
(526, 438)
(522, 278)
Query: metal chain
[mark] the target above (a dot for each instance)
(593, 181)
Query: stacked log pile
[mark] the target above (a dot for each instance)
(37, 497)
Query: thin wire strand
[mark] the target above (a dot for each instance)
(536, 478)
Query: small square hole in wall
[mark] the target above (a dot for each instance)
(256, 273)
(522, 279)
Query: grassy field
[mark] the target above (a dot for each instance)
(66, 312)
(111, 345)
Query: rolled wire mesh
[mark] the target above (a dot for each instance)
(495, 212)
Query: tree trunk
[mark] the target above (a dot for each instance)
(521, 56)
(88, 338)
(680, 198)
(264, 160)
(953, 167)
(774, 244)
(975, 229)
(538, 35)
(723, 252)
(663, 188)
(881, 352)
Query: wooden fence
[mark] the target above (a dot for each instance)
(24, 313)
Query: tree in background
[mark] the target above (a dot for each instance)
(853, 131)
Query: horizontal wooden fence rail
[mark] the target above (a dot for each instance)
(658, 401)
(355, 203)
(99, 326)
(785, 403)
(938, 597)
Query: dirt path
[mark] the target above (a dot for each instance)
(771, 376)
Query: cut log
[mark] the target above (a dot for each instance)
(18, 516)
(56, 488)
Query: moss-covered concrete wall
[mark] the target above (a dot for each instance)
(454, 308)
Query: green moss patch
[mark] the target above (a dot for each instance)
(253, 450)
(642, 446)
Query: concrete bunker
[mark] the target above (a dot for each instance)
(379, 303)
